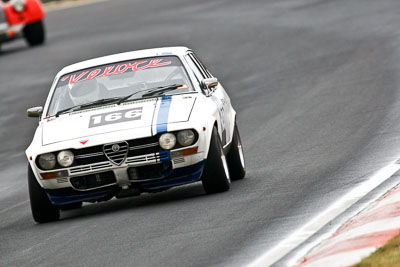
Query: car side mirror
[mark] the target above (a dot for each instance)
(34, 112)
(209, 83)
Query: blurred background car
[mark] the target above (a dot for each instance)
(22, 18)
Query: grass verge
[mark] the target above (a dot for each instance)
(388, 255)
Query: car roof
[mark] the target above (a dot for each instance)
(153, 52)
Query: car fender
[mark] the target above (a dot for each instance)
(35, 173)
(33, 12)
(31, 152)
(232, 120)
(205, 112)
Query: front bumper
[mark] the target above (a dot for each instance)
(120, 173)
(146, 168)
(179, 176)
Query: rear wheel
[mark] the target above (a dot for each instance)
(42, 209)
(235, 157)
(34, 33)
(215, 177)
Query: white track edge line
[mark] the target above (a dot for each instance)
(310, 228)
(14, 206)
(73, 5)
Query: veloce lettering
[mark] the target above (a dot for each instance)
(117, 69)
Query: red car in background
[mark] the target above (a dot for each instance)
(22, 18)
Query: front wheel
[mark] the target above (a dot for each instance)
(235, 157)
(34, 33)
(42, 209)
(215, 176)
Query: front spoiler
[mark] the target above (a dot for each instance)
(179, 176)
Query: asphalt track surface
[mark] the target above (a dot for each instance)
(316, 88)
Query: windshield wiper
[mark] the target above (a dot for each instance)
(124, 98)
(100, 101)
(93, 103)
(118, 100)
(151, 91)
(162, 89)
(67, 109)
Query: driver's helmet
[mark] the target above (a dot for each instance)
(84, 91)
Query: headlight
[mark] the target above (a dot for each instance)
(47, 161)
(65, 158)
(186, 137)
(167, 141)
(19, 5)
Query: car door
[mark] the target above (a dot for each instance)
(217, 95)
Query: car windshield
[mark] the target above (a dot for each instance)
(119, 82)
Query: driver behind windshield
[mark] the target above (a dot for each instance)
(84, 92)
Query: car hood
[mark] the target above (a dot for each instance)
(155, 114)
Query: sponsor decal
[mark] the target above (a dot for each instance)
(74, 79)
(117, 68)
(83, 142)
(93, 74)
(115, 117)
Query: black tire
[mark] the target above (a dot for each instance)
(34, 33)
(42, 209)
(215, 176)
(71, 206)
(235, 157)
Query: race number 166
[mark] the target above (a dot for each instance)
(115, 117)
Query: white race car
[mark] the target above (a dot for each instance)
(121, 125)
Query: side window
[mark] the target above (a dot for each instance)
(196, 70)
(201, 65)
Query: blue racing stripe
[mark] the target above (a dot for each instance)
(163, 112)
(165, 156)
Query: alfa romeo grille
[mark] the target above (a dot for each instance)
(136, 151)
(116, 152)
